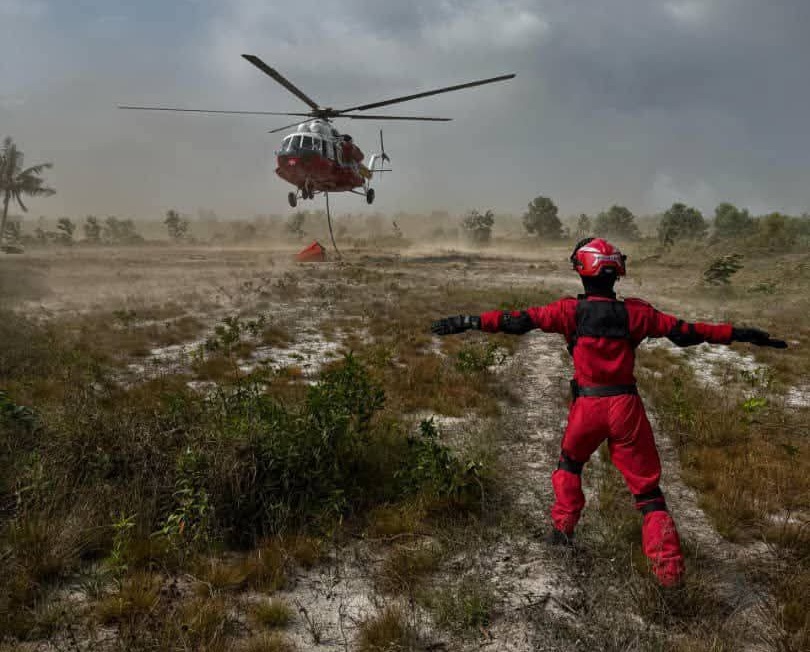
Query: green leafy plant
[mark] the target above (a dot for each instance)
(722, 269)
(477, 357)
(435, 469)
(189, 519)
(122, 533)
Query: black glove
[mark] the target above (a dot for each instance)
(757, 337)
(456, 324)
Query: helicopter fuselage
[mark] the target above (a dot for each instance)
(318, 159)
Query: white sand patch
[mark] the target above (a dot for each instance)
(798, 397)
(310, 352)
(332, 600)
(711, 362)
(166, 360)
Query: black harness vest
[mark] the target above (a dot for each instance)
(600, 319)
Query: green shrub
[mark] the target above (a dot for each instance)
(273, 465)
(722, 269)
(435, 469)
(478, 227)
(478, 357)
(464, 607)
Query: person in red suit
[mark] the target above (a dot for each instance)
(602, 333)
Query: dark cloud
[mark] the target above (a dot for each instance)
(633, 101)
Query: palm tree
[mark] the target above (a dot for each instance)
(16, 181)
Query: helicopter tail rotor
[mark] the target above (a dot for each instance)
(376, 164)
(382, 149)
(383, 156)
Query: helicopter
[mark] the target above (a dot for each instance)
(316, 157)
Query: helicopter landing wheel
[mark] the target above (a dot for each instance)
(370, 195)
(293, 199)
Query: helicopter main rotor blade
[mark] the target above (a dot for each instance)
(365, 116)
(408, 98)
(285, 127)
(286, 83)
(170, 108)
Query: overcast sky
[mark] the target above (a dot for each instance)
(640, 102)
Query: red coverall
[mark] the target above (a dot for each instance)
(621, 419)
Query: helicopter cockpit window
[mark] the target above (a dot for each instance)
(287, 144)
(306, 142)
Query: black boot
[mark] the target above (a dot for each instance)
(558, 538)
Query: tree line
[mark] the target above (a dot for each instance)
(678, 223)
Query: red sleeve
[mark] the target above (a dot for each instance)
(646, 321)
(557, 317)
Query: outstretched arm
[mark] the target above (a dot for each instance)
(683, 333)
(552, 318)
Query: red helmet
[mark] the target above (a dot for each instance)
(595, 257)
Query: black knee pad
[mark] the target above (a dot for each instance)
(567, 464)
(652, 501)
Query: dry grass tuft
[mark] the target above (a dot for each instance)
(221, 575)
(465, 607)
(206, 625)
(138, 595)
(276, 336)
(389, 630)
(406, 568)
(266, 567)
(306, 551)
(271, 613)
(392, 520)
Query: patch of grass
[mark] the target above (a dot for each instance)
(266, 567)
(206, 625)
(387, 631)
(391, 520)
(276, 336)
(463, 608)
(215, 367)
(478, 357)
(748, 459)
(137, 596)
(271, 613)
(221, 575)
(305, 550)
(407, 567)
